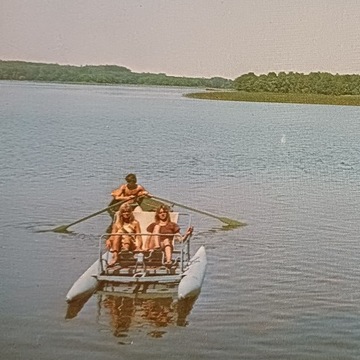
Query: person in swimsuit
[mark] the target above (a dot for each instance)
(163, 225)
(129, 237)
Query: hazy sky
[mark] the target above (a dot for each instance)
(202, 38)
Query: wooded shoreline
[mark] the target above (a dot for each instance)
(292, 87)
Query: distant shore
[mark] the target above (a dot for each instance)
(349, 100)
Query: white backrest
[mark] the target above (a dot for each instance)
(145, 218)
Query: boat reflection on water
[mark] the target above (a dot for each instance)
(126, 313)
(75, 306)
(141, 291)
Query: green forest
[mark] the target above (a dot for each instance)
(298, 83)
(320, 83)
(103, 74)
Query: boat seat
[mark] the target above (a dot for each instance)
(154, 258)
(126, 259)
(151, 259)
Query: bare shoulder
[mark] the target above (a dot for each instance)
(118, 191)
(115, 227)
(117, 216)
(135, 223)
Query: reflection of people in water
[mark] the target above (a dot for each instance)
(121, 310)
(129, 312)
(160, 312)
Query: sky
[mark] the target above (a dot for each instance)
(192, 38)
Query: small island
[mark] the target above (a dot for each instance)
(292, 87)
(314, 88)
(293, 98)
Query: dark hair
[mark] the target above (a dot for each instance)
(131, 178)
(164, 208)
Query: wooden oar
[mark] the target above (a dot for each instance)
(225, 220)
(63, 228)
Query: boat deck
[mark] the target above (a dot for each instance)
(141, 273)
(144, 266)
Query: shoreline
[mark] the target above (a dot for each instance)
(291, 98)
(230, 95)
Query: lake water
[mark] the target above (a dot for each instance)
(286, 286)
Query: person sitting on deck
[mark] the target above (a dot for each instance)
(129, 237)
(163, 225)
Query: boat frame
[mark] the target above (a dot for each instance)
(145, 272)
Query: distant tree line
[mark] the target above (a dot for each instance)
(104, 74)
(283, 83)
(298, 83)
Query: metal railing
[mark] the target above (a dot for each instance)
(183, 248)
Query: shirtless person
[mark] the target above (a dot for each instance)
(129, 191)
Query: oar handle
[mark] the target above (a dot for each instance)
(63, 228)
(119, 203)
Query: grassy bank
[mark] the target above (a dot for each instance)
(278, 98)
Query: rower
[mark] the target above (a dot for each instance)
(130, 191)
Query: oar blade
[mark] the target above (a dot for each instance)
(61, 229)
(231, 222)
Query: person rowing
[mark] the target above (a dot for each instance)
(129, 191)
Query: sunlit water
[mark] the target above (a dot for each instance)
(284, 287)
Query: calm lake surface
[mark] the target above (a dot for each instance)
(284, 287)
